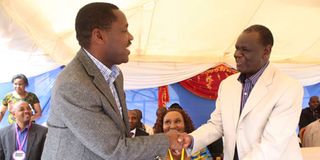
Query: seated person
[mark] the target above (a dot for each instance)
(23, 139)
(311, 113)
(179, 120)
(144, 127)
(135, 124)
(215, 148)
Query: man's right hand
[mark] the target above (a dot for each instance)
(185, 139)
(173, 141)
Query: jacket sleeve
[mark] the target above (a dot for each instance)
(210, 131)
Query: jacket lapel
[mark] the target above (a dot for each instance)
(103, 87)
(122, 98)
(12, 138)
(31, 138)
(259, 91)
(98, 79)
(237, 89)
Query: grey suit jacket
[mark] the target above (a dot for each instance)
(36, 139)
(84, 123)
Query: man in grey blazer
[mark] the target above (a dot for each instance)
(88, 116)
(33, 134)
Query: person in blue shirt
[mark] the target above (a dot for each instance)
(22, 140)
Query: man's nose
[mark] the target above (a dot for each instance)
(27, 111)
(237, 54)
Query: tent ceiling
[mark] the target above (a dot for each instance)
(180, 30)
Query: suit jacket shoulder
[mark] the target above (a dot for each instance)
(140, 132)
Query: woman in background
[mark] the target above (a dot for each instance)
(20, 82)
(177, 119)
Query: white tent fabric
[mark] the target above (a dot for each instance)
(18, 53)
(146, 75)
(174, 39)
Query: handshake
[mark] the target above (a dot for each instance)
(178, 141)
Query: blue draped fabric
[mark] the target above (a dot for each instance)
(144, 99)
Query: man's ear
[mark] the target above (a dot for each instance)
(13, 113)
(98, 36)
(267, 51)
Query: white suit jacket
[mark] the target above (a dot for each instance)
(265, 130)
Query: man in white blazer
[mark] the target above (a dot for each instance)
(257, 110)
(88, 116)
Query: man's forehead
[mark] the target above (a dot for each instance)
(121, 18)
(23, 105)
(248, 38)
(132, 113)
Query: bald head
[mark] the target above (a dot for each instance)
(19, 104)
(22, 113)
(314, 102)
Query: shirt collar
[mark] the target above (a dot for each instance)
(109, 74)
(254, 78)
(26, 128)
(134, 131)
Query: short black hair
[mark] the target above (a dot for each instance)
(93, 15)
(265, 34)
(20, 76)
(175, 105)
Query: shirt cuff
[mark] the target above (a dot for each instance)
(190, 148)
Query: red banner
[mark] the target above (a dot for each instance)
(163, 96)
(206, 84)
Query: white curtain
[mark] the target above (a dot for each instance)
(140, 75)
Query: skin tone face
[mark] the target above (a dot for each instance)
(251, 54)
(314, 102)
(173, 121)
(22, 113)
(19, 86)
(114, 42)
(133, 119)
